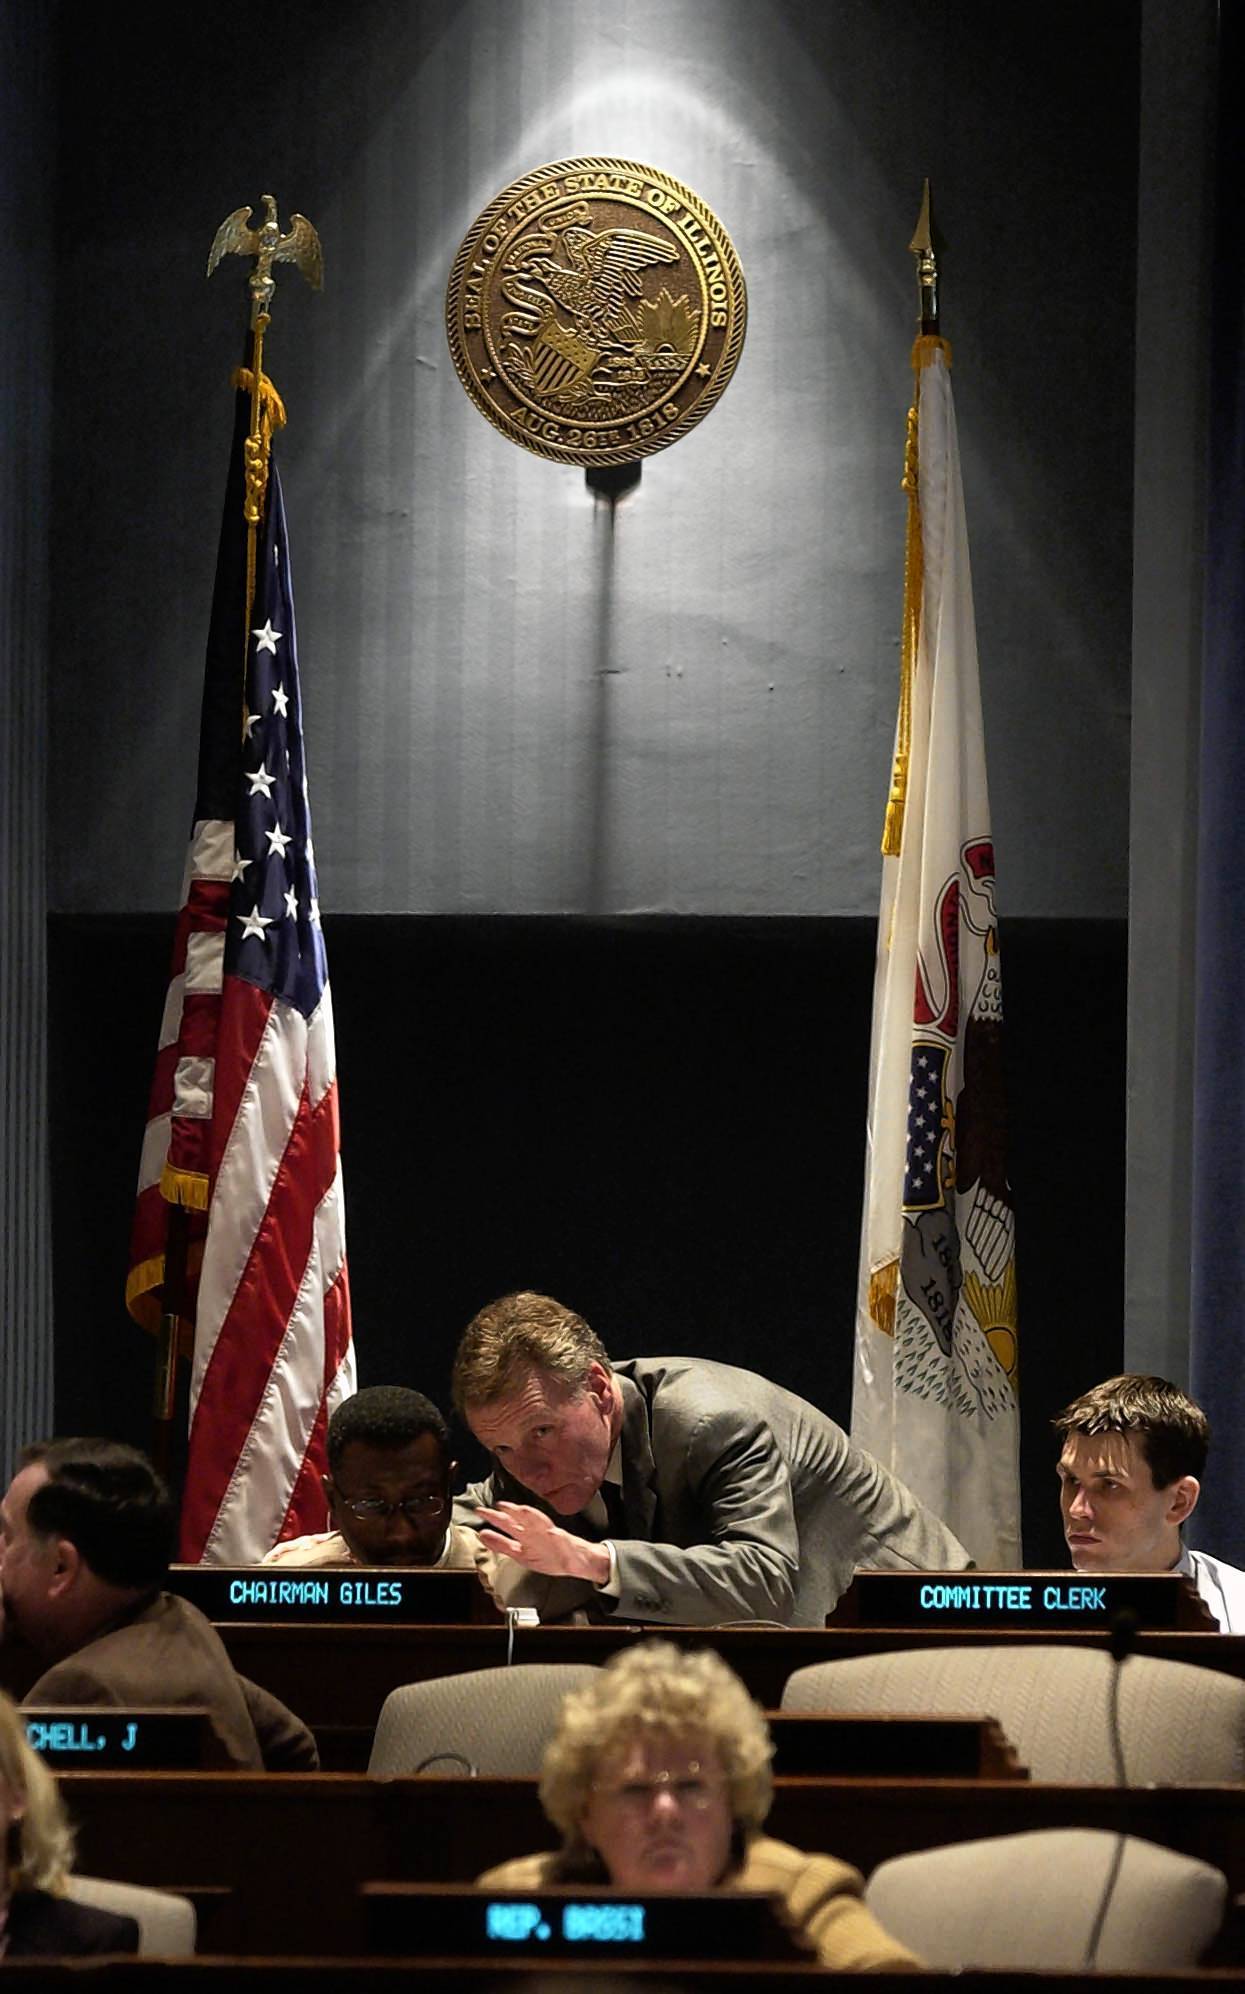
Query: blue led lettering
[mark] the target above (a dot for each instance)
(603, 1924)
(972, 1598)
(130, 1739)
(1075, 1599)
(278, 1592)
(63, 1737)
(371, 1592)
(514, 1922)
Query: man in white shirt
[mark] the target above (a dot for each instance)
(388, 1488)
(1130, 1473)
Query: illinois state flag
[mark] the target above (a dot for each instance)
(242, 1124)
(936, 1326)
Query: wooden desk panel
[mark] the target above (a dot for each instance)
(356, 1976)
(292, 1847)
(337, 1678)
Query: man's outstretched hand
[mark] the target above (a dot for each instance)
(531, 1538)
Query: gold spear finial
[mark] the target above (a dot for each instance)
(922, 247)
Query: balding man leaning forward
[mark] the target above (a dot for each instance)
(667, 1489)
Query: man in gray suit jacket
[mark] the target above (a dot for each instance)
(686, 1491)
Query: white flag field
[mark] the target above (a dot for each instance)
(934, 1394)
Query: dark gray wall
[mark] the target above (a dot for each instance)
(26, 172)
(467, 753)
(1174, 264)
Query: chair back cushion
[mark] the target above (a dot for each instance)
(486, 1721)
(1030, 1901)
(166, 1924)
(1180, 1723)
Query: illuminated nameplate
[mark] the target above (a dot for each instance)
(1050, 1600)
(118, 1740)
(458, 1922)
(384, 1593)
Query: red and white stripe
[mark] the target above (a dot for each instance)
(245, 1092)
(273, 1352)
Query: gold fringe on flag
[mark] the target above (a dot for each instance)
(913, 584)
(883, 1288)
(184, 1187)
(144, 1295)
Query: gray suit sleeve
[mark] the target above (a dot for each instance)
(744, 1564)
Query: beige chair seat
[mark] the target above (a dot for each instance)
(485, 1721)
(1180, 1724)
(166, 1923)
(1030, 1901)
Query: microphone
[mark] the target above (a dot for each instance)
(1124, 1626)
(1123, 1639)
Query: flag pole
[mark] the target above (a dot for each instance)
(301, 246)
(922, 247)
(184, 1193)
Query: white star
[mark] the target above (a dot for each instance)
(314, 911)
(311, 857)
(259, 779)
(249, 725)
(254, 923)
(267, 639)
(239, 867)
(280, 700)
(291, 903)
(278, 840)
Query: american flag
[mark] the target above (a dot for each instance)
(243, 1117)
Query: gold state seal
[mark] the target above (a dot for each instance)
(595, 311)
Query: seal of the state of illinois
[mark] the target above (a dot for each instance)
(596, 311)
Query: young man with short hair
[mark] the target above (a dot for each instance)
(1130, 1473)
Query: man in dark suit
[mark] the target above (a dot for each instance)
(85, 1532)
(684, 1491)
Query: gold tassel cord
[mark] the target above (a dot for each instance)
(913, 584)
(267, 416)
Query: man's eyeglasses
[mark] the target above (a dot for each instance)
(370, 1509)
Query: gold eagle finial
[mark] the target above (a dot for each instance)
(300, 246)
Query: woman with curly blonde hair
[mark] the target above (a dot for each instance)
(658, 1777)
(36, 1917)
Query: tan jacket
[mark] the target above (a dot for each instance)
(167, 1652)
(460, 1552)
